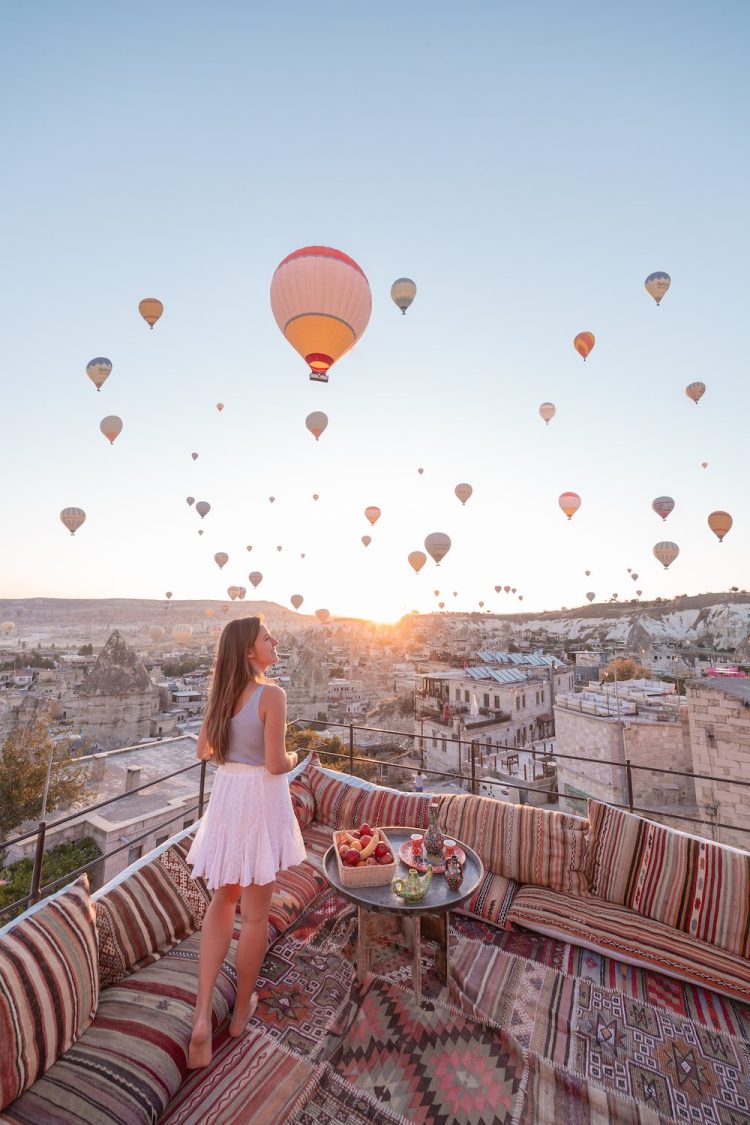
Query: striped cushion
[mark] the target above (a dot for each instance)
(520, 842)
(686, 882)
(318, 839)
(341, 805)
(293, 891)
(492, 901)
(49, 987)
(194, 891)
(618, 932)
(138, 921)
(303, 801)
(127, 1067)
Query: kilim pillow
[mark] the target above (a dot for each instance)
(520, 842)
(334, 799)
(303, 799)
(49, 987)
(384, 807)
(138, 921)
(193, 890)
(694, 885)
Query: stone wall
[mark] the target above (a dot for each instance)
(720, 736)
(115, 720)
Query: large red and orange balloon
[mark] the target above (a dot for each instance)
(321, 300)
(584, 342)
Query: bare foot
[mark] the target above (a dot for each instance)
(201, 1045)
(240, 1019)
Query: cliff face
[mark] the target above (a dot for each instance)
(118, 671)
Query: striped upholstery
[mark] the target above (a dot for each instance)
(492, 901)
(341, 805)
(49, 987)
(520, 842)
(318, 839)
(128, 1066)
(303, 801)
(626, 936)
(686, 882)
(138, 921)
(293, 891)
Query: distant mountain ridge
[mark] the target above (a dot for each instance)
(36, 612)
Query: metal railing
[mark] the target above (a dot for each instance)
(349, 757)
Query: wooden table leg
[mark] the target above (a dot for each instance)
(414, 930)
(363, 946)
(441, 957)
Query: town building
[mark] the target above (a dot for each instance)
(719, 714)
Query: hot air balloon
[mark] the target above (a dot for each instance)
(417, 559)
(233, 591)
(221, 558)
(436, 593)
(271, 499)
(315, 496)
(321, 301)
(256, 578)
(403, 292)
(296, 600)
(367, 540)
(316, 423)
(583, 343)
(420, 471)
(8, 627)
(634, 576)
(695, 391)
(200, 531)
(99, 370)
(225, 609)
(302, 555)
(189, 500)
(570, 502)
(663, 505)
(463, 492)
(481, 605)
(373, 514)
(150, 309)
(547, 410)
(194, 456)
(512, 589)
(203, 508)
(657, 285)
(441, 605)
(182, 632)
(498, 589)
(241, 591)
(220, 406)
(704, 464)
(280, 548)
(322, 615)
(520, 597)
(168, 595)
(73, 518)
(666, 553)
(249, 547)
(591, 595)
(587, 573)
(437, 545)
(639, 592)
(507, 589)
(156, 632)
(455, 593)
(209, 613)
(720, 523)
(111, 427)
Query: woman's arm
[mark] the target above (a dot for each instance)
(203, 751)
(273, 714)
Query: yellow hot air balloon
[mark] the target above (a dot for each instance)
(255, 577)
(657, 285)
(322, 615)
(373, 514)
(209, 613)
(437, 545)
(417, 559)
(150, 309)
(321, 301)
(111, 427)
(156, 632)
(403, 292)
(99, 370)
(8, 627)
(296, 600)
(463, 492)
(695, 391)
(570, 502)
(182, 632)
(583, 343)
(666, 552)
(73, 518)
(720, 523)
(547, 411)
(316, 423)
(221, 558)
(367, 540)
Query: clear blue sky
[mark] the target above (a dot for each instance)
(527, 164)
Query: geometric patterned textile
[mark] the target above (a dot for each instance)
(686, 882)
(333, 1101)
(492, 901)
(49, 987)
(622, 934)
(521, 842)
(294, 889)
(341, 805)
(193, 890)
(130, 1062)
(303, 801)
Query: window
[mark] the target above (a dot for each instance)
(486, 698)
(434, 744)
(541, 696)
(497, 701)
(458, 695)
(134, 854)
(161, 840)
(466, 697)
(523, 700)
(518, 703)
(445, 748)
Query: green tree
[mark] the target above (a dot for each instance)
(23, 768)
(57, 862)
(624, 668)
(86, 650)
(309, 741)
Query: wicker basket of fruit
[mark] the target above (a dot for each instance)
(365, 857)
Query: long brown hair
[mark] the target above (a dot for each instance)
(232, 673)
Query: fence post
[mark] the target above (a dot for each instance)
(629, 783)
(351, 749)
(473, 770)
(202, 788)
(36, 874)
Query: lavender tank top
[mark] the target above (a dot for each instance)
(246, 734)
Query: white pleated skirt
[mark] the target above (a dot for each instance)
(249, 831)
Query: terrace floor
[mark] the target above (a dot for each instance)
(530, 1030)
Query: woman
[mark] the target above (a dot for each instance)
(249, 832)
